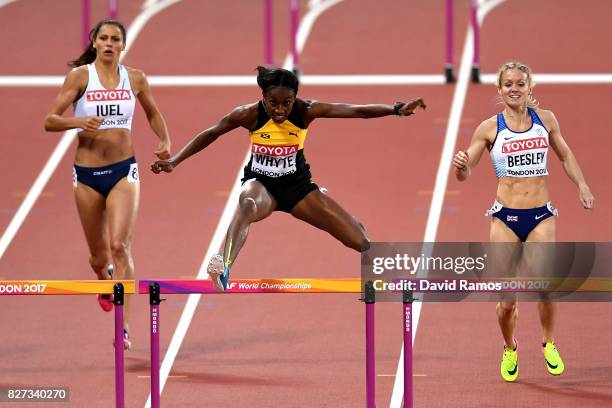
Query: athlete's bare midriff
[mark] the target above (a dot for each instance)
(103, 147)
(521, 193)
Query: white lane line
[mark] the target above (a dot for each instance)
(143, 18)
(36, 189)
(559, 79)
(66, 140)
(240, 80)
(373, 79)
(6, 2)
(331, 80)
(192, 301)
(148, 3)
(249, 80)
(215, 244)
(437, 200)
(315, 10)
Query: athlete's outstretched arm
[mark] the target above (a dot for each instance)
(318, 109)
(154, 116)
(465, 160)
(241, 116)
(567, 158)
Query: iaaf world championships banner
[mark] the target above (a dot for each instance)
(479, 271)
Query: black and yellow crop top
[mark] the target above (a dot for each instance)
(277, 149)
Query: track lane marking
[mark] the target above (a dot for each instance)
(193, 299)
(319, 80)
(6, 2)
(437, 200)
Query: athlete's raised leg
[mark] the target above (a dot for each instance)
(320, 210)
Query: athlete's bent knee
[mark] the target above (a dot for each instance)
(248, 206)
(98, 262)
(365, 245)
(506, 307)
(544, 298)
(359, 245)
(119, 248)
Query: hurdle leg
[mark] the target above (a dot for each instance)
(154, 301)
(119, 366)
(476, 30)
(369, 300)
(294, 18)
(268, 46)
(407, 302)
(113, 5)
(448, 71)
(85, 14)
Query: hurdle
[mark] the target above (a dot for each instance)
(449, 39)
(113, 6)
(268, 38)
(475, 73)
(448, 66)
(155, 288)
(294, 11)
(84, 287)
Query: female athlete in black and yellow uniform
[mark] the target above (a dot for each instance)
(277, 176)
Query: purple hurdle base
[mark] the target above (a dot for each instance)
(154, 301)
(294, 18)
(448, 71)
(476, 29)
(119, 366)
(407, 302)
(154, 293)
(268, 44)
(369, 300)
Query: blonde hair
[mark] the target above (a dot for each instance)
(532, 102)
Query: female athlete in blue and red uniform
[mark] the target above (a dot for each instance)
(518, 139)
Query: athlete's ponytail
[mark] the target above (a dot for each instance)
(89, 55)
(271, 77)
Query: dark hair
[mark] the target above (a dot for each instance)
(89, 55)
(269, 77)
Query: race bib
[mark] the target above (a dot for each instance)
(273, 161)
(526, 157)
(132, 176)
